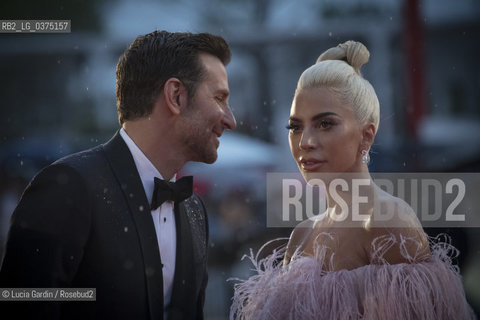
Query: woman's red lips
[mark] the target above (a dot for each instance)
(310, 164)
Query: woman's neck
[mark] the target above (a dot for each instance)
(350, 195)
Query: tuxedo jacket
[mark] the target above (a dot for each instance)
(84, 222)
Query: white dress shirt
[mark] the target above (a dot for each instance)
(163, 216)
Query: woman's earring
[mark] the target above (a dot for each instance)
(365, 157)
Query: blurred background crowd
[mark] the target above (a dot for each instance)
(57, 96)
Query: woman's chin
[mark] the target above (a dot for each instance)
(314, 178)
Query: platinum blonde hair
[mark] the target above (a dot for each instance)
(338, 69)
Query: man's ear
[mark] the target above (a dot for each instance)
(175, 95)
(368, 133)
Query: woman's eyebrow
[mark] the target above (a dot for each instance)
(315, 117)
(294, 119)
(323, 115)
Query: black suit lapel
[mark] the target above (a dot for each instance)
(123, 166)
(184, 279)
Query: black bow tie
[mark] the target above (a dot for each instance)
(175, 191)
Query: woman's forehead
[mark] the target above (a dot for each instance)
(311, 101)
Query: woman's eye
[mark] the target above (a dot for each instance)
(293, 127)
(325, 124)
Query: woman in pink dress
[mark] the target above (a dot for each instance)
(342, 265)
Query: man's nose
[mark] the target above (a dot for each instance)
(228, 120)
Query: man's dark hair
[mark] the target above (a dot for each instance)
(154, 58)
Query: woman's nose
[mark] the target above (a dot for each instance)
(308, 140)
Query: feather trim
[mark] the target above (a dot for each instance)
(422, 289)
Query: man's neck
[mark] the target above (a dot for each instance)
(162, 152)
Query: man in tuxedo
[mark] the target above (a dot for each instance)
(113, 217)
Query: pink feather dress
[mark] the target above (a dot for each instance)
(424, 288)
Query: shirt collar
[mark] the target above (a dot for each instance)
(145, 168)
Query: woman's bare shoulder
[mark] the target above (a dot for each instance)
(392, 212)
(396, 223)
(301, 232)
(299, 235)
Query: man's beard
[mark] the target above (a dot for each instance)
(198, 138)
(200, 147)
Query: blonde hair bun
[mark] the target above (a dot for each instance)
(338, 69)
(352, 52)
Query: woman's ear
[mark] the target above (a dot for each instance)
(368, 133)
(175, 95)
